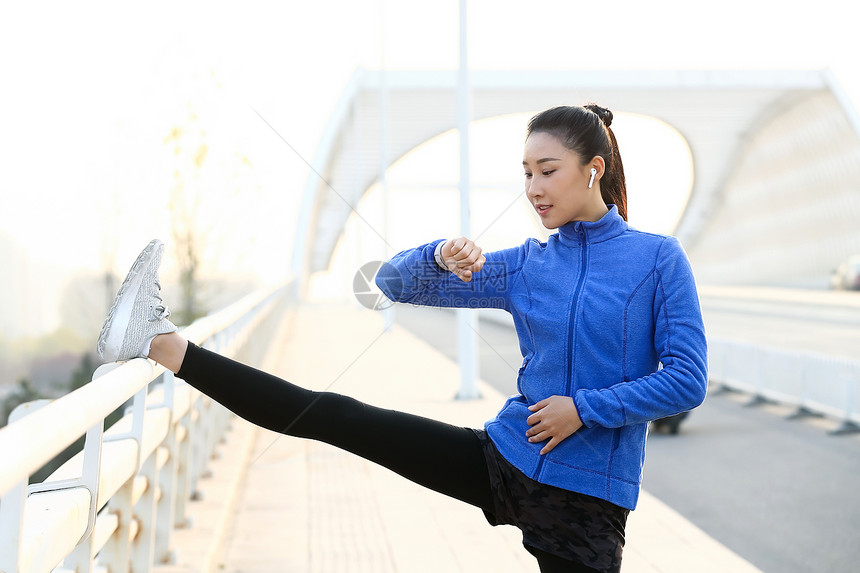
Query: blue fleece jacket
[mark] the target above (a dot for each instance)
(605, 314)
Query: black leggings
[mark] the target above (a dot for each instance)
(445, 458)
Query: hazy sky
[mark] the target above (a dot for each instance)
(109, 112)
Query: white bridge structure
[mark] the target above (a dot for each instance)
(776, 159)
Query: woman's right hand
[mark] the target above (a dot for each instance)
(462, 257)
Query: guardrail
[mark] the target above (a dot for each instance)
(817, 384)
(113, 506)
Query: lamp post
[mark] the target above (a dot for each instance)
(467, 320)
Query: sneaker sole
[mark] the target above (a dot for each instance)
(116, 323)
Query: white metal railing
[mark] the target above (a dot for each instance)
(112, 507)
(816, 383)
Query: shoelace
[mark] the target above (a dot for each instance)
(159, 311)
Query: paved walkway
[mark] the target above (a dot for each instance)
(279, 504)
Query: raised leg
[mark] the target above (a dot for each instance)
(448, 459)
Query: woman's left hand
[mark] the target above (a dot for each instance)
(554, 419)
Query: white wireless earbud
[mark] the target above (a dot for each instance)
(591, 181)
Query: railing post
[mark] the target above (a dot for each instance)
(803, 410)
(167, 483)
(12, 504)
(212, 437)
(198, 446)
(184, 451)
(759, 397)
(116, 554)
(849, 426)
(144, 510)
(11, 519)
(80, 560)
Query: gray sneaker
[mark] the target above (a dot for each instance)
(138, 312)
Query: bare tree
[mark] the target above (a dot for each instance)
(187, 142)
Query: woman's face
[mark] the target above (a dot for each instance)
(557, 182)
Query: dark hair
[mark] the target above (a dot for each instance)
(585, 131)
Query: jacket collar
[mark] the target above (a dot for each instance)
(576, 233)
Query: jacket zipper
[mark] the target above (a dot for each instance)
(574, 305)
(570, 331)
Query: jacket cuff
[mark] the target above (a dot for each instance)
(437, 256)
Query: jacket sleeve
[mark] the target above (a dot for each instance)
(679, 339)
(412, 276)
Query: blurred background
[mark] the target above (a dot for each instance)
(197, 123)
(123, 123)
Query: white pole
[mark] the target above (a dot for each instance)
(467, 323)
(388, 312)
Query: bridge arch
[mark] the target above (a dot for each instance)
(726, 117)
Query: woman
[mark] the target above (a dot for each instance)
(597, 308)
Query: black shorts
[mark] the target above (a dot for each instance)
(571, 525)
